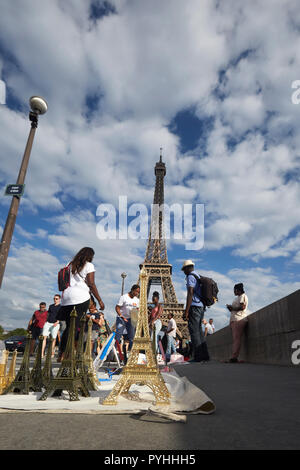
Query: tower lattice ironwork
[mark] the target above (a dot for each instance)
(158, 269)
(143, 374)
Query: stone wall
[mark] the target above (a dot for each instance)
(268, 337)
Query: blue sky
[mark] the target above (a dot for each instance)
(209, 82)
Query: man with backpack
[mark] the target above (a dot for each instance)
(196, 302)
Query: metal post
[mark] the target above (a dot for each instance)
(13, 211)
(123, 275)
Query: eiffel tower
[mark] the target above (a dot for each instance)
(156, 265)
(143, 374)
(21, 381)
(68, 378)
(36, 377)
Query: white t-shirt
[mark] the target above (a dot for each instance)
(241, 314)
(172, 324)
(78, 291)
(126, 304)
(209, 328)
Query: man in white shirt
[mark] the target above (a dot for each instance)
(171, 337)
(207, 328)
(238, 319)
(127, 303)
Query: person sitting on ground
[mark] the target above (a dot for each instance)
(238, 319)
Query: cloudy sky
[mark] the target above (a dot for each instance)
(210, 82)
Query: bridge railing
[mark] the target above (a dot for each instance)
(269, 337)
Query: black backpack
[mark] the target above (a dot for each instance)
(209, 290)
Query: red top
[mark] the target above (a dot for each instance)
(154, 312)
(40, 318)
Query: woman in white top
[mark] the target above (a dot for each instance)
(82, 284)
(238, 319)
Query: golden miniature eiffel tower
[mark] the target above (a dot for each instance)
(7, 378)
(82, 357)
(3, 369)
(35, 378)
(47, 373)
(67, 378)
(79, 347)
(142, 374)
(20, 383)
(92, 380)
(12, 368)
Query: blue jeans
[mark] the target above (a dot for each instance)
(123, 328)
(170, 347)
(158, 325)
(196, 315)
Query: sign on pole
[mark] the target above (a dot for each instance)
(14, 190)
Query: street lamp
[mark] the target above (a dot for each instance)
(38, 106)
(123, 275)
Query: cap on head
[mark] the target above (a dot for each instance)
(187, 263)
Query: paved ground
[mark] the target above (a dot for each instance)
(258, 407)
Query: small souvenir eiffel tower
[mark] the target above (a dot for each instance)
(20, 384)
(7, 378)
(3, 370)
(81, 365)
(47, 373)
(67, 377)
(92, 380)
(35, 378)
(80, 345)
(142, 374)
(12, 368)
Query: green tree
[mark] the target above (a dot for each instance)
(15, 332)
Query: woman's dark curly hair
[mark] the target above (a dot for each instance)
(79, 260)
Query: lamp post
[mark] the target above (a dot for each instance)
(38, 106)
(123, 275)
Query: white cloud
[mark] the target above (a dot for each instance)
(29, 279)
(141, 67)
(251, 206)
